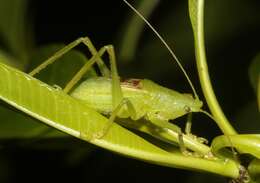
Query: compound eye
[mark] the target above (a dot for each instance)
(187, 108)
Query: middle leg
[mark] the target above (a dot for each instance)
(118, 101)
(125, 102)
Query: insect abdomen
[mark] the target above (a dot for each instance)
(96, 93)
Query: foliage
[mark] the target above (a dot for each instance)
(31, 96)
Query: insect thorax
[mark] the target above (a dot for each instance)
(170, 104)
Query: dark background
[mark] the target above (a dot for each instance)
(232, 40)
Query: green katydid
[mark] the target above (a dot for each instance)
(132, 98)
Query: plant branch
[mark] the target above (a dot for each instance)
(196, 10)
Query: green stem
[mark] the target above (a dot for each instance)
(196, 9)
(168, 136)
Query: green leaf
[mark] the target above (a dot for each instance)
(9, 60)
(254, 76)
(246, 143)
(57, 109)
(247, 118)
(258, 94)
(14, 28)
(18, 125)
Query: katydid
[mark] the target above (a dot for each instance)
(131, 98)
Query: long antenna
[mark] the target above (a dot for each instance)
(165, 44)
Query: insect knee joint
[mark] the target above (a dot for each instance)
(109, 47)
(83, 39)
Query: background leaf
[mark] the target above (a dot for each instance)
(9, 60)
(133, 29)
(62, 71)
(15, 29)
(247, 118)
(254, 76)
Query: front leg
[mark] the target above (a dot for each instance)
(188, 131)
(165, 125)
